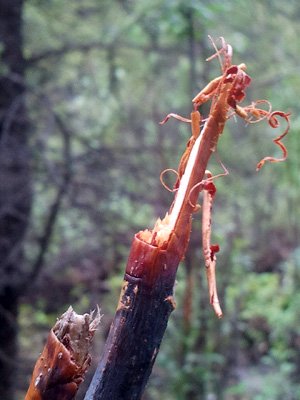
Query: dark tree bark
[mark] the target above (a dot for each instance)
(15, 187)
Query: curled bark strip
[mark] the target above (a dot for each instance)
(65, 358)
(176, 116)
(258, 113)
(274, 123)
(199, 187)
(205, 184)
(161, 178)
(195, 122)
(253, 114)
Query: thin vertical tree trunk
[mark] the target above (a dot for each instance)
(15, 188)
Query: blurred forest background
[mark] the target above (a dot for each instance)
(83, 86)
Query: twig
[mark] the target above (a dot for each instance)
(55, 207)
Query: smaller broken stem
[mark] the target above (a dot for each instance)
(65, 359)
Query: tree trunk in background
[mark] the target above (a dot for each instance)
(15, 188)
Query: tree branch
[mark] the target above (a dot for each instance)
(54, 209)
(85, 47)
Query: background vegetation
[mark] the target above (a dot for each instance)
(98, 76)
